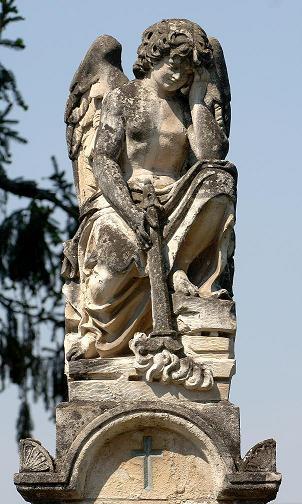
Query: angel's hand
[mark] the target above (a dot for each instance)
(137, 219)
(199, 85)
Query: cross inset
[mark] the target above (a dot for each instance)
(147, 453)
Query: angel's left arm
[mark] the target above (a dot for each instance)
(207, 135)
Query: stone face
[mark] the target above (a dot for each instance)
(223, 418)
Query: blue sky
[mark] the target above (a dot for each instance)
(262, 44)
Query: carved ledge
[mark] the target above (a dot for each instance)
(123, 368)
(262, 486)
(256, 474)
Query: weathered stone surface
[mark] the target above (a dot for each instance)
(162, 358)
(117, 378)
(159, 218)
(101, 458)
(110, 390)
(150, 267)
(209, 347)
(34, 457)
(195, 315)
(119, 472)
(223, 417)
(123, 367)
(244, 486)
(260, 458)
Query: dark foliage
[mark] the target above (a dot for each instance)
(31, 304)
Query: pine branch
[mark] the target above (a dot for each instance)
(8, 8)
(29, 189)
(30, 260)
(13, 44)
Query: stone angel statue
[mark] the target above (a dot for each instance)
(168, 127)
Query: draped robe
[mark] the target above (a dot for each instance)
(107, 285)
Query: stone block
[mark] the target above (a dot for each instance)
(117, 379)
(123, 368)
(149, 451)
(223, 418)
(112, 390)
(211, 346)
(195, 315)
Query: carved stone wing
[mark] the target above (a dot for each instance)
(218, 96)
(99, 72)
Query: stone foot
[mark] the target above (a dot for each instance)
(182, 284)
(219, 294)
(81, 348)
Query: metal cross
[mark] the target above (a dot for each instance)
(147, 453)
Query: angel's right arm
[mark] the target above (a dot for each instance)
(107, 171)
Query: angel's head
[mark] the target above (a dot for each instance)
(173, 47)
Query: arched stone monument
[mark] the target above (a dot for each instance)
(150, 316)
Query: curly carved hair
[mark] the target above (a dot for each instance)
(176, 37)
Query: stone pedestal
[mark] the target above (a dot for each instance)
(148, 448)
(121, 439)
(150, 422)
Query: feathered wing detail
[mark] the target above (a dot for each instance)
(218, 96)
(99, 72)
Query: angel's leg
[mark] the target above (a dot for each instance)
(210, 227)
(223, 249)
(115, 291)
